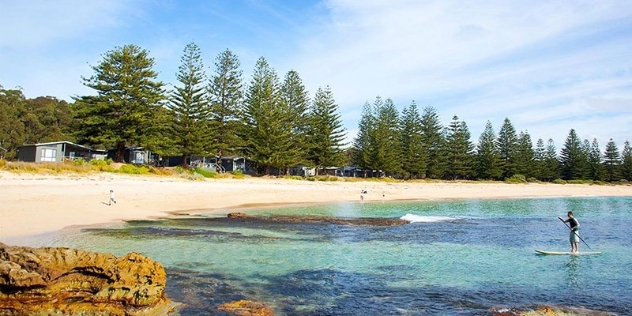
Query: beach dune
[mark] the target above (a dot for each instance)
(36, 204)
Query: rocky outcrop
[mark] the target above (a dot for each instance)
(360, 221)
(56, 281)
(246, 308)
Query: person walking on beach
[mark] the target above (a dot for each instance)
(111, 198)
(574, 234)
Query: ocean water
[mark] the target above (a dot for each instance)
(453, 258)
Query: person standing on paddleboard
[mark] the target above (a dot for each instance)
(574, 234)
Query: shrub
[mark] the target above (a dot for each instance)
(160, 171)
(132, 169)
(310, 178)
(388, 179)
(101, 165)
(352, 179)
(518, 178)
(105, 168)
(238, 174)
(624, 181)
(22, 167)
(100, 162)
(559, 181)
(225, 175)
(78, 165)
(205, 173)
(293, 177)
(179, 170)
(3, 163)
(577, 181)
(79, 162)
(194, 176)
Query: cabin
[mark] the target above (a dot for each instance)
(353, 172)
(331, 171)
(55, 152)
(234, 163)
(303, 171)
(134, 155)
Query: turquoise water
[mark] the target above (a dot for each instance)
(454, 258)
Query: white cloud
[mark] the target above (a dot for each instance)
(548, 66)
(35, 23)
(481, 61)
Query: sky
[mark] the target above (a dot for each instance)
(548, 66)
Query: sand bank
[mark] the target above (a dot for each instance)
(36, 204)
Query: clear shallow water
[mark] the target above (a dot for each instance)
(455, 258)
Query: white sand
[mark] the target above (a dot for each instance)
(36, 204)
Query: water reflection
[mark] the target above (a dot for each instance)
(572, 269)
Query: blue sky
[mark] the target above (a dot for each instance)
(548, 66)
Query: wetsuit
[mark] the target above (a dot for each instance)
(574, 235)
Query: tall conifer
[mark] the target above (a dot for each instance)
(626, 161)
(524, 156)
(539, 154)
(388, 138)
(612, 161)
(552, 166)
(507, 143)
(295, 103)
(361, 154)
(433, 140)
(459, 150)
(226, 97)
(265, 119)
(414, 155)
(190, 108)
(129, 98)
(594, 159)
(487, 161)
(326, 132)
(572, 158)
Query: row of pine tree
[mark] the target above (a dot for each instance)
(417, 145)
(275, 123)
(272, 121)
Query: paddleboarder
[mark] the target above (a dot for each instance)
(574, 233)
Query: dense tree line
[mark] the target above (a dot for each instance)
(28, 121)
(417, 145)
(274, 122)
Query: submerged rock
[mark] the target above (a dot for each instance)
(56, 281)
(246, 308)
(360, 221)
(545, 310)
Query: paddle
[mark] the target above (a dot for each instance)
(574, 232)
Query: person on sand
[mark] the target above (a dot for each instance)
(111, 198)
(574, 234)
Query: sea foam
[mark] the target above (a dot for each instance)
(425, 219)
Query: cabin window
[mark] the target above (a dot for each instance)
(49, 155)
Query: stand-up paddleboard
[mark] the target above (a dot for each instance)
(542, 252)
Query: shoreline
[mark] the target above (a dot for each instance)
(37, 204)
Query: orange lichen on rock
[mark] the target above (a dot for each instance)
(72, 281)
(246, 308)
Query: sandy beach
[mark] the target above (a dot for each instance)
(33, 204)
